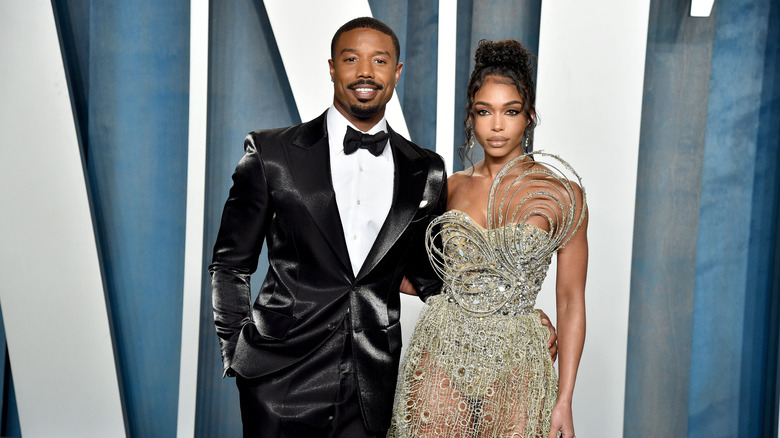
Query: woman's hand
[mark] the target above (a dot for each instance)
(552, 341)
(562, 421)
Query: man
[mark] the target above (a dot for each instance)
(344, 215)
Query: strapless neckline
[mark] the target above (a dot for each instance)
(471, 220)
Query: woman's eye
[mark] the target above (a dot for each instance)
(513, 112)
(483, 112)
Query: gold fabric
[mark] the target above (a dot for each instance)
(478, 364)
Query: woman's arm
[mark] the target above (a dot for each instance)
(570, 300)
(407, 287)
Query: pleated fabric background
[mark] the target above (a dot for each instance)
(703, 332)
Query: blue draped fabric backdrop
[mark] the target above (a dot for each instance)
(737, 226)
(674, 114)
(703, 327)
(137, 168)
(703, 331)
(128, 70)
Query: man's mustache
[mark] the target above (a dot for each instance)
(365, 82)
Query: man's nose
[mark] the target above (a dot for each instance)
(366, 69)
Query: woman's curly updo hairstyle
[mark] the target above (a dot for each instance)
(509, 60)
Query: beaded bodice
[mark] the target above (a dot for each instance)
(500, 269)
(477, 277)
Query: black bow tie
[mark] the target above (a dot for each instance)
(372, 143)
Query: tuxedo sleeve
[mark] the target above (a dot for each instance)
(419, 271)
(244, 224)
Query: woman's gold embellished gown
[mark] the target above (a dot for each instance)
(478, 363)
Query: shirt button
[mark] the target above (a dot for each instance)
(355, 238)
(361, 167)
(358, 202)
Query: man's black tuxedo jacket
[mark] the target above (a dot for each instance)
(282, 192)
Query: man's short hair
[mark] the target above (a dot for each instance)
(366, 23)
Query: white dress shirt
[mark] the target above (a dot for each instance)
(364, 187)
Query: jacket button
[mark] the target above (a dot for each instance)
(332, 326)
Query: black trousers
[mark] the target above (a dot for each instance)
(316, 397)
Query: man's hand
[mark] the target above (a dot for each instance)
(552, 341)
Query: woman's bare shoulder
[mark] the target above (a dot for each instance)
(457, 178)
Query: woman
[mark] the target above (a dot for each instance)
(478, 365)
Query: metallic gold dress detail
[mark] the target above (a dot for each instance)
(478, 364)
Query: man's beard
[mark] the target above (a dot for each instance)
(364, 111)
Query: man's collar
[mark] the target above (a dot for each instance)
(337, 125)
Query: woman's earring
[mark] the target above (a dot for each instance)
(471, 137)
(526, 145)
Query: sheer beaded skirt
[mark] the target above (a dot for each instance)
(488, 377)
(478, 364)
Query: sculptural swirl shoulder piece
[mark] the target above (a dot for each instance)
(535, 206)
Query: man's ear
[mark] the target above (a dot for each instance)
(398, 68)
(331, 68)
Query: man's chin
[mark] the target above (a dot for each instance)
(364, 112)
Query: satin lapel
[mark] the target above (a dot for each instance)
(409, 183)
(309, 161)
